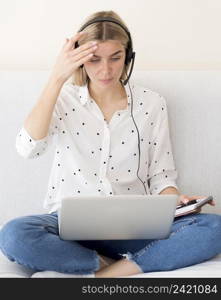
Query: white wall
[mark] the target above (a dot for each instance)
(167, 34)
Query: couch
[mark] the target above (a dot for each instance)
(193, 100)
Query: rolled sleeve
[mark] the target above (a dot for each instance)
(28, 147)
(162, 172)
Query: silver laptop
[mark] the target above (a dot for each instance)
(117, 217)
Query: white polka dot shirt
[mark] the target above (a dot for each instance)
(96, 157)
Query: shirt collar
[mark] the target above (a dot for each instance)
(85, 96)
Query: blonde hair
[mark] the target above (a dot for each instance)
(102, 31)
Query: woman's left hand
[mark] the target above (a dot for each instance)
(184, 199)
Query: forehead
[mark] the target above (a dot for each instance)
(109, 47)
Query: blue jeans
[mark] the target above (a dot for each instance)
(33, 241)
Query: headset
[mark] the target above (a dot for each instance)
(130, 58)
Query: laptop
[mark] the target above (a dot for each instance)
(118, 217)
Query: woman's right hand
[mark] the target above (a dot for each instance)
(71, 58)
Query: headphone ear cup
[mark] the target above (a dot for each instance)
(129, 55)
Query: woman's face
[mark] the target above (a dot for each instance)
(106, 66)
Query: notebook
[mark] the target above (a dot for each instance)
(116, 217)
(192, 206)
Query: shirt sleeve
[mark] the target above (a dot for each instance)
(162, 172)
(28, 147)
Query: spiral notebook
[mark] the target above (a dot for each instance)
(192, 206)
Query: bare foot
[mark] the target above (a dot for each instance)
(105, 261)
(120, 268)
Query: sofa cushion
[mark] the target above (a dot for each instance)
(192, 98)
(9, 269)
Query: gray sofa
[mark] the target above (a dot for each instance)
(194, 104)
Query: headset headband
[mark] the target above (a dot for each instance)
(107, 19)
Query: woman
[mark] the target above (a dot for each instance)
(110, 138)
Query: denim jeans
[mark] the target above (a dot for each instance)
(33, 241)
